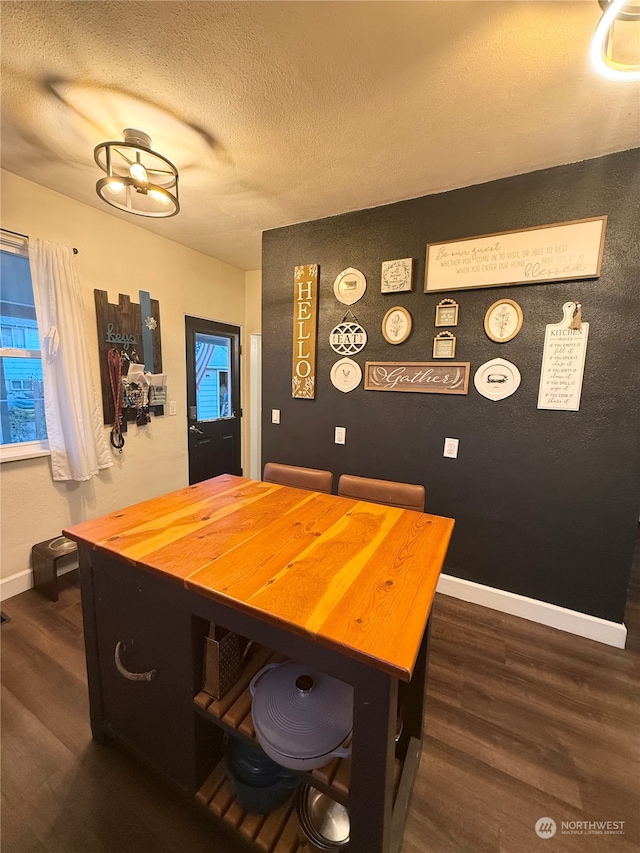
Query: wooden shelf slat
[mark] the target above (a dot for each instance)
(276, 832)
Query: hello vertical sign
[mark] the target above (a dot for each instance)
(305, 331)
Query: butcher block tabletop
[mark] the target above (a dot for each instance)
(357, 577)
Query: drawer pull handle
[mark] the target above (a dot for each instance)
(131, 676)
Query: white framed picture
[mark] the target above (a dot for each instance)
(397, 276)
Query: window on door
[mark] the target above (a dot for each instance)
(23, 430)
(213, 389)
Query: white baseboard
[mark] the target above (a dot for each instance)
(581, 624)
(22, 581)
(571, 621)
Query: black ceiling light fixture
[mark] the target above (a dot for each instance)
(138, 180)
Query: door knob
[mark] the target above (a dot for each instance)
(193, 428)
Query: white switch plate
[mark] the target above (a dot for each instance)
(341, 435)
(275, 416)
(173, 408)
(451, 447)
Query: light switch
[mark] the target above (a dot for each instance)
(275, 416)
(341, 435)
(451, 447)
(173, 408)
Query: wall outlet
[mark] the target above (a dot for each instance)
(341, 435)
(275, 416)
(173, 408)
(451, 447)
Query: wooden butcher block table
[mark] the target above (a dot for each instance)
(342, 585)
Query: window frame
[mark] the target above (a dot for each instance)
(15, 451)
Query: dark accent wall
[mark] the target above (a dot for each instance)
(546, 502)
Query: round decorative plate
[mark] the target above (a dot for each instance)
(346, 375)
(497, 379)
(349, 286)
(348, 338)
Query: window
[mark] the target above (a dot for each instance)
(23, 430)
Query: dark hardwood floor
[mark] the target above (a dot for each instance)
(523, 722)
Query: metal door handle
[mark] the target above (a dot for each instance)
(193, 428)
(131, 676)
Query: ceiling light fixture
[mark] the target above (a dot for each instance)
(603, 53)
(139, 180)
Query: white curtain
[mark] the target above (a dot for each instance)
(76, 437)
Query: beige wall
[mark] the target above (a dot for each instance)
(119, 257)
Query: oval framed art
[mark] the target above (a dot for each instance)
(396, 325)
(503, 320)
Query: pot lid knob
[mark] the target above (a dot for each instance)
(304, 683)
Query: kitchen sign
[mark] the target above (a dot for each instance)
(305, 330)
(563, 252)
(565, 350)
(423, 377)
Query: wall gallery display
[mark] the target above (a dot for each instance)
(565, 251)
(444, 345)
(349, 286)
(305, 328)
(396, 325)
(563, 357)
(346, 375)
(503, 320)
(348, 337)
(397, 276)
(447, 313)
(423, 377)
(496, 379)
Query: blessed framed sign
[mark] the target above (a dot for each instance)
(566, 251)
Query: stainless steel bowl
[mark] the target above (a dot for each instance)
(324, 821)
(62, 544)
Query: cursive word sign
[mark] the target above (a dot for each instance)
(561, 252)
(305, 325)
(423, 377)
(120, 338)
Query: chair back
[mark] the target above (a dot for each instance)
(313, 479)
(402, 495)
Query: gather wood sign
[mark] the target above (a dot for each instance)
(423, 377)
(305, 331)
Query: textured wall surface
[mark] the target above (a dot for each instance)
(546, 502)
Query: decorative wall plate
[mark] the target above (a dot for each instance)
(497, 379)
(346, 375)
(348, 337)
(396, 325)
(397, 276)
(503, 320)
(349, 286)
(447, 313)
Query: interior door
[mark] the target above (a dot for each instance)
(213, 399)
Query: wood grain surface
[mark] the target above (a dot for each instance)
(523, 721)
(358, 577)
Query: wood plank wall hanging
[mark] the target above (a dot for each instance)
(565, 350)
(305, 331)
(133, 329)
(423, 377)
(564, 251)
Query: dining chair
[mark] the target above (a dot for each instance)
(313, 479)
(402, 495)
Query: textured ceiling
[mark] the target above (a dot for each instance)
(277, 113)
